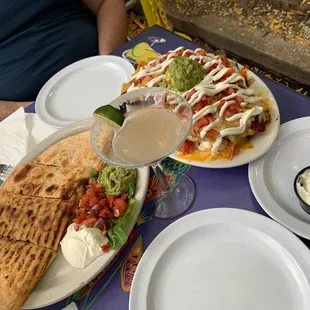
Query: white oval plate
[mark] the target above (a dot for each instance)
(61, 280)
(272, 176)
(225, 259)
(261, 142)
(76, 91)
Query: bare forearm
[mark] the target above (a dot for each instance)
(8, 107)
(112, 25)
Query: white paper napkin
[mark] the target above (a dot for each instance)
(19, 134)
(71, 306)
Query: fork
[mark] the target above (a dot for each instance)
(5, 170)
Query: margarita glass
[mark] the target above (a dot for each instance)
(156, 123)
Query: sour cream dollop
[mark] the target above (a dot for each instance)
(303, 186)
(82, 247)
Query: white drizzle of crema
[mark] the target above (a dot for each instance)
(208, 88)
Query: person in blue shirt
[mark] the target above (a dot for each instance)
(39, 38)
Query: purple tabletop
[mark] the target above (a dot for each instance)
(214, 187)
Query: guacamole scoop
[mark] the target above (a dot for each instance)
(117, 181)
(183, 74)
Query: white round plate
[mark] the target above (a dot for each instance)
(61, 279)
(76, 91)
(225, 259)
(272, 176)
(261, 142)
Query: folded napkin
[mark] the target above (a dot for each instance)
(19, 134)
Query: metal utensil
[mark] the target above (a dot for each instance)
(5, 170)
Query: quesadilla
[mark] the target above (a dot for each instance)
(40, 221)
(72, 151)
(47, 181)
(22, 265)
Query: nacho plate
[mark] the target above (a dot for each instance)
(236, 118)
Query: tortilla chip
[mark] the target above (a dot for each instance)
(22, 265)
(47, 181)
(72, 151)
(40, 221)
(124, 88)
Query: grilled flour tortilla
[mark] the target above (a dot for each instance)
(72, 151)
(22, 265)
(47, 181)
(38, 220)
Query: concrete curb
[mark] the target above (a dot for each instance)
(285, 58)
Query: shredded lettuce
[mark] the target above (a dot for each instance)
(131, 189)
(118, 234)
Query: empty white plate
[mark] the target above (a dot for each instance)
(227, 259)
(76, 91)
(272, 176)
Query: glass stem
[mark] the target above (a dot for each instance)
(162, 178)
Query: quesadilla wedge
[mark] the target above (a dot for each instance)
(72, 151)
(22, 265)
(47, 181)
(41, 221)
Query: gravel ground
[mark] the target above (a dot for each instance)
(137, 23)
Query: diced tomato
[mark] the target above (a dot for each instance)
(89, 222)
(111, 198)
(202, 122)
(91, 191)
(124, 196)
(239, 99)
(93, 201)
(214, 66)
(190, 94)
(85, 201)
(225, 61)
(222, 102)
(212, 133)
(227, 74)
(227, 113)
(202, 52)
(235, 107)
(106, 213)
(180, 52)
(207, 100)
(204, 98)
(120, 205)
(146, 79)
(80, 219)
(210, 101)
(104, 203)
(187, 147)
(100, 195)
(228, 91)
(209, 118)
(198, 106)
(188, 54)
(232, 109)
(105, 248)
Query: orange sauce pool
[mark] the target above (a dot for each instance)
(207, 156)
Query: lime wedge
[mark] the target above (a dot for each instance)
(110, 115)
